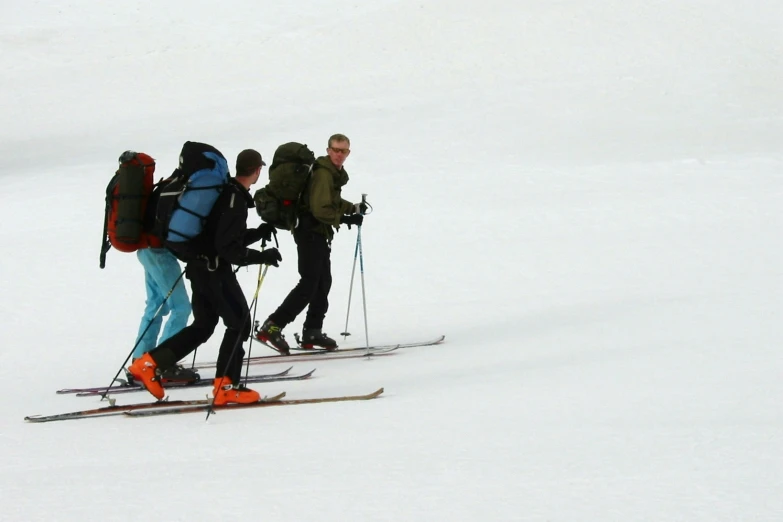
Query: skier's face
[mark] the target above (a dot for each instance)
(338, 152)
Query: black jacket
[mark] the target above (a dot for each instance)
(225, 233)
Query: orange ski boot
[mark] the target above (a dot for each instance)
(226, 392)
(143, 371)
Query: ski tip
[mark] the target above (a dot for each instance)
(37, 419)
(273, 398)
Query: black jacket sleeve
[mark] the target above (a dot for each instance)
(231, 234)
(253, 235)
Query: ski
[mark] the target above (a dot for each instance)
(252, 379)
(325, 355)
(125, 384)
(282, 402)
(298, 348)
(106, 411)
(319, 356)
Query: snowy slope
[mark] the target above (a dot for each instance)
(584, 197)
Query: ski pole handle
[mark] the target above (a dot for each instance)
(361, 208)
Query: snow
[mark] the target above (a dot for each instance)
(585, 197)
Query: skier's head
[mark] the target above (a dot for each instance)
(249, 164)
(338, 149)
(248, 161)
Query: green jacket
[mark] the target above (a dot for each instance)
(323, 196)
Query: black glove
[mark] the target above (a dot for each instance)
(265, 231)
(269, 256)
(353, 219)
(360, 208)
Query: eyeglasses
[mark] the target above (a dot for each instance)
(340, 151)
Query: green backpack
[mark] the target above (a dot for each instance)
(280, 202)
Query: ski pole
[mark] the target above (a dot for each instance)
(130, 354)
(364, 296)
(346, 333)
(253, 305)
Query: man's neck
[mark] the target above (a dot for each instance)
(244, 181)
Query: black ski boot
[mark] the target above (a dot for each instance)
(179, 374)
(272, 335)
(314, 337)
(176, 374)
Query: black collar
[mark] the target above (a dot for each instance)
(242, 190)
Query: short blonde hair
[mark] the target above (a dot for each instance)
(338, 137)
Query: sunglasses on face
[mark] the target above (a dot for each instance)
(340, 151)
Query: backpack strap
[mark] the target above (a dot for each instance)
(106, 244)
(300, 201)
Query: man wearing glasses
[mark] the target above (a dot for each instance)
(327, 210)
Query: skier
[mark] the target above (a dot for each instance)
(216, 291)
(161, 272)
(313, 236)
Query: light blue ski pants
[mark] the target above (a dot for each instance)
(161, 269)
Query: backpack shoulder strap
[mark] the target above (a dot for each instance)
(105, 243)
(303, 202)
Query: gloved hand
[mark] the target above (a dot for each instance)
(269, 256)
(360, 208)
(353, 219)
(266, 231)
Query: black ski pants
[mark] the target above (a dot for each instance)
(315, 281)
(216, 295)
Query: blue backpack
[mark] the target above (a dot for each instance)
(185, 200)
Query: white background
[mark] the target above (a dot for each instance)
(585, 197)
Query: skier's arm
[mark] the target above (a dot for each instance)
(321, 205)
(230, 239)
(347, 207)
(252, 235)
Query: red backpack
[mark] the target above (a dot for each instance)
(128, 222)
